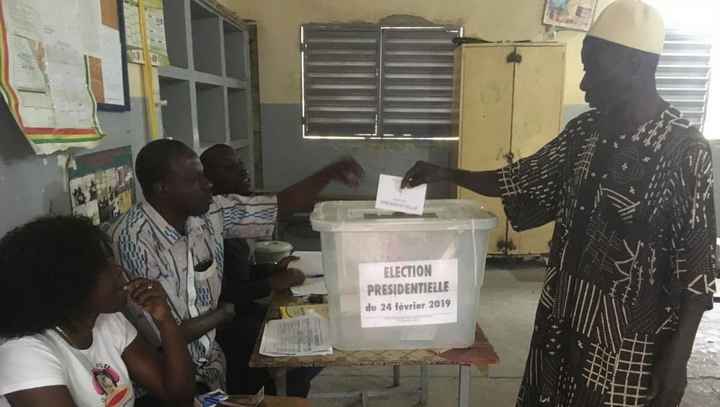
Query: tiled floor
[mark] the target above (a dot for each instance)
(509, 298)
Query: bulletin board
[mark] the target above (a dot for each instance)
(102, 184)
(60, 61)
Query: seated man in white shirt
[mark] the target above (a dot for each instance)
(176, 237)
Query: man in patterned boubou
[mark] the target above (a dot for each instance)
(632, 260)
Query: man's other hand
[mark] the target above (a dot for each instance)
(283, 277)
(228, 311)
(346, 171)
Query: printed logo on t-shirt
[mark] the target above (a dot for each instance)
(107, 384)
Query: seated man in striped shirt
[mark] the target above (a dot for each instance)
(244, 282)
(176, 237)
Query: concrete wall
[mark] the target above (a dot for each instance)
(32, 185)
(288, 158)
(279, 23)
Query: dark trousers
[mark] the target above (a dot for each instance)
(237, 340)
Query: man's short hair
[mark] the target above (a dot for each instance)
(210, 155)
(154, 162)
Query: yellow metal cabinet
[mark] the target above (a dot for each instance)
(510, 105)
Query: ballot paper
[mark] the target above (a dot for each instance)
(312, 285)
(391, 197)
(307, 335)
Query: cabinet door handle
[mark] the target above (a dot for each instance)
(514, 58)
(509, 157)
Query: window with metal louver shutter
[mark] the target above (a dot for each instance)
(417, 82)
(340, 84)
(367, 81)
(683, 76)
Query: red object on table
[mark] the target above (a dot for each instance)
(481, 353)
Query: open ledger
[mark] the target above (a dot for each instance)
(306, 335)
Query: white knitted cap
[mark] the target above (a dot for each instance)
(633, 24)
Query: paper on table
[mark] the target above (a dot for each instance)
(391, 197)
(312, 285)
(301, 336)
(310, 263)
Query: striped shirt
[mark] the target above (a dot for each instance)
(148, 247)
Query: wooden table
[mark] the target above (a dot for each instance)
(271, 401)
(481, 354)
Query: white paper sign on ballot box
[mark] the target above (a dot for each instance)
(408, 293)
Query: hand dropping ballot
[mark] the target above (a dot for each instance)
(391, 197)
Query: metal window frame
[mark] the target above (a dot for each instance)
(381, 77)
(378, 134)
(704, 38)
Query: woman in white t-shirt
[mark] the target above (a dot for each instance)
(65, 342)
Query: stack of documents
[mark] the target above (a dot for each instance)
(305, 335)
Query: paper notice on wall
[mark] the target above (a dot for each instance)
(22, 17)
(408, 293)
(87, 32)
(72, 101)
(391, 197)
(112, 68)
(155, 31)
(46, 72)
(27, 75)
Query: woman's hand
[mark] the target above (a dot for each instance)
(151, 296)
